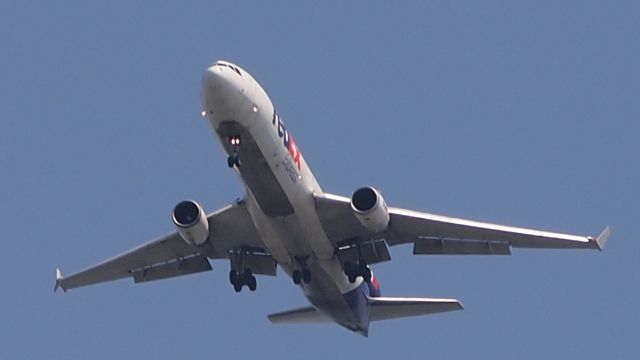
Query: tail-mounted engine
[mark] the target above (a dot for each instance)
(191, 222)
(370, 209)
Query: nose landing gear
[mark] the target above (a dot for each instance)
(234, 159)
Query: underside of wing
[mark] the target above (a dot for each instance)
(230, 229)
(166, 255)
(439, 235)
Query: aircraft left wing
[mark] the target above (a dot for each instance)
(230, 228)
(437, 234)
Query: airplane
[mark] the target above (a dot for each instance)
(326, 243)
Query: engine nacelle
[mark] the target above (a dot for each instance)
(191, 222)
(370, 209)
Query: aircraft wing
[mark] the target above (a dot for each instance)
(437, 234)
(230, 228)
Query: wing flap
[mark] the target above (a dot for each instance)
(192, 265)
(435, 246)
(373, 251)
(386, 308)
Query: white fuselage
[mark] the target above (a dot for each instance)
(280, 187)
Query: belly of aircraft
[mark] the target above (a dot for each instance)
(347, 307)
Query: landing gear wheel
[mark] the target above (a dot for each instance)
(252, 283)
(237, 286)
(351, 271)
(348, 267)
(236, 161)
(306, 276)
(297, 277)
(366, 275)
(352, 277)
(364, 271)
(230, 161)
(233, 277)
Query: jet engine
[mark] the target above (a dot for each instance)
(370, 209)
(191, 222)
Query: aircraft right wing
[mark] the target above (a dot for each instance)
(440, 235)
(437, 234)
(230, 228)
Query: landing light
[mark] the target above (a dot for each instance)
(204, 113)
(255, 108)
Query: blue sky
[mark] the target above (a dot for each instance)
(522, 113)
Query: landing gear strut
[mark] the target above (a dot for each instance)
(354, 270)
(238, 280)
(234, 159)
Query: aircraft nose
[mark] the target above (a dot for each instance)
(220, 91)
(214, 79)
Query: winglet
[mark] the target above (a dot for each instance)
(59, 281)
(601, 240)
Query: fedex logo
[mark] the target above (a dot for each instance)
(374, 286)
(287, 139)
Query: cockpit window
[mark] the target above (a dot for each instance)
(230, 67)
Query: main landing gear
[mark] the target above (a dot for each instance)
(238, 280)
(234, 159)
(359, 269)
(300, 276)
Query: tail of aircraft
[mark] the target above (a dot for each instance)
(380, 308)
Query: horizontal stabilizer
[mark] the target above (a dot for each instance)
(303, 315)
(380, 308)
(386, 308)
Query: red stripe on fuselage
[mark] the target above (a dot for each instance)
(294, 151)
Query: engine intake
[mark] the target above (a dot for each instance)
(370, 209)
(191, 222)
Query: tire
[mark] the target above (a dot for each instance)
(306, 276)
(366, 275)
(252, 283)
(362, 266)
(347, 267)
(230, 161)
(247, 275)
(352, 277)
(237, 286)
(233, 277)
(297, 277)
(236, 161)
